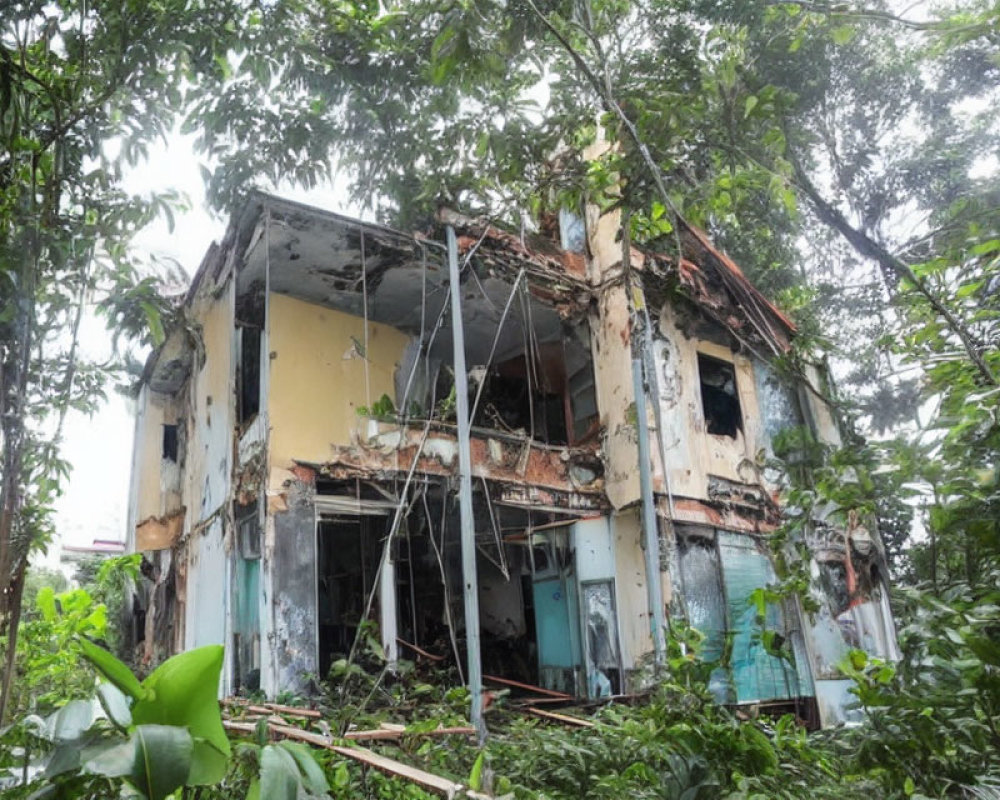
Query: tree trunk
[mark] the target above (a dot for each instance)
(13, 624)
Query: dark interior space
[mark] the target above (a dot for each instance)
(248, 375)
(348, 552)
(170, 443)
(522, 395)
(250, 319)
(719, 400)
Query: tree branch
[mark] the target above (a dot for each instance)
(891, 264)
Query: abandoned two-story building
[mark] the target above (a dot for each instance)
(297, 455)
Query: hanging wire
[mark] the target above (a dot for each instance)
(497, 536)
(496, 341)
(439, 555)
(364, 295)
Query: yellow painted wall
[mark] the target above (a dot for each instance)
(149, 440)
(209, 424)
(317, 379)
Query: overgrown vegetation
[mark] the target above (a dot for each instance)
(797, 133)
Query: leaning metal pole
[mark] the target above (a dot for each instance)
(650, 531)
(470, 580)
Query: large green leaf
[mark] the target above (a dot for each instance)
(111, 668)
(312, 776)
(279, 774)
(71, 721)
(156, 759)
(115, 705)
(183, 691)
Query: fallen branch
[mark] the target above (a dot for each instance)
(527, 687)
(435, 783)
(420, 651)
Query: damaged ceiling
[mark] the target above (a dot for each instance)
(335, 261)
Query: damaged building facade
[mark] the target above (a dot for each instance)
(297, 450)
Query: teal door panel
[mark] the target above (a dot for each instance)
(756, 674)
(555, 611)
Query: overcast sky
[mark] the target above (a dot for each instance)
(99, 447)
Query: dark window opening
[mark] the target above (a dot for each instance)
(719, 399)
(518, 401)
(170, 449)
(248, 530)
(248, 376)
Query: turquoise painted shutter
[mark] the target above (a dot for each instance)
(757, 675)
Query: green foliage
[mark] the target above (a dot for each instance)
(288, 771)
(49, 652)
(152, 739)
(39, 577)
(933, 716)
(84, 88)
(383, 409)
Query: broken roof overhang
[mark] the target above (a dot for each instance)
(168, 366)
(401, 279)
(317, 256)
(716, 284)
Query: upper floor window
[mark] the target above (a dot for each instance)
(170, 443)
(720, 400)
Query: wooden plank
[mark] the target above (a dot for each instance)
(294, 711)
(287, 731)
(390, 734)
(378, 734)
(527, 687)
(435, 783)
(565, 719)
(270, 708)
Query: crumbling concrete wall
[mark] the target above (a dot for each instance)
(616, 396)
(290, 562)
(208, 469)
(693, 454)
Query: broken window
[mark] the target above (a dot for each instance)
(704, 601)
(601, 632)
(248, 530)
(778, 401)
(169, 451)
(522, 397)
(719, 399)
(572, 232)
(720, 573)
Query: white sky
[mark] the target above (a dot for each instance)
(95, 501)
